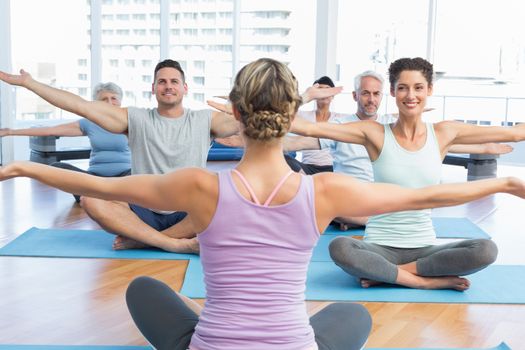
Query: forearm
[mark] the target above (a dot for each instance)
(68, 181)
(69, 129)
(300, 143)
(455, 194)
(30, 132)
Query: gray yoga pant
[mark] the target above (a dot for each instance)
(379, 263)
(168, 323)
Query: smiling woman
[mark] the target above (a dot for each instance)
(400, 247)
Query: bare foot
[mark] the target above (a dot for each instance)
(447, 282)
(123, 243)
(369, 283)
(183, 245)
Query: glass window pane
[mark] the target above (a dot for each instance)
(54, 49)
(283, 30)
(201, 41)
(372, 34)
(481, 57)
(131, 47)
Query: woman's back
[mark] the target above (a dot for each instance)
(255, 259)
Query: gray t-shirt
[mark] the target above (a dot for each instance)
(159, 144)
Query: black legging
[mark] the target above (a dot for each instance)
(168, 323)
(308, 169)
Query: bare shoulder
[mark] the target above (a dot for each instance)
(329, 181)
(195, 177)
(447, 125)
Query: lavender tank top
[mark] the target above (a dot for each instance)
(255, 259)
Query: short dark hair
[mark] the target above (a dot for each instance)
(403, 64)
(169, 64)
(324, 80)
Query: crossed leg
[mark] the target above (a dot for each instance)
(432, 267)
(132, 232)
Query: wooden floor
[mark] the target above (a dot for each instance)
(81, 301)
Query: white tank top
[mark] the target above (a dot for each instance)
(396, 165)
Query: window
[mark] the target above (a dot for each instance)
(226, 31)
(361, 46)
(136, 47)
(198, 97)
(51, 54)
(139, 17)
(198, 80)
(199, 65)
(208, 31)
(208, 15)
(278, 34)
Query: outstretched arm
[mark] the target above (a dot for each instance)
(334, 192)
(300, 143)
(223, 124)
(174, 191)
(368, 133)
(109, 117)
(315, 92)
(452, 132)
(68, 129)
(483, 148)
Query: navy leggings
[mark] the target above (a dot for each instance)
(168, 323)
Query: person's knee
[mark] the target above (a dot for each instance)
(95, 208)
(341, 325)
(136, 288)
(340, 248)
(488, 252)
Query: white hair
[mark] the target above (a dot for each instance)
(368, 73)
(109, 87)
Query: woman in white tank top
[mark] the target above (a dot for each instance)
(400, 248)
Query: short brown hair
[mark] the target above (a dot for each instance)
(169, 64)
(415, 64)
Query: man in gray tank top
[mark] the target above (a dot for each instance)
(161, 139)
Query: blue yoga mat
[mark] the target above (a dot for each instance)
(326, 281)
(445, 228)
(79, 244)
